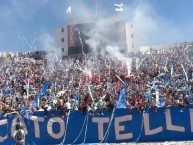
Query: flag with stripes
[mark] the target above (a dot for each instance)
(69, 10)
(119, 7)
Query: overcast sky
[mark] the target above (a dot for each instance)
(157, 21)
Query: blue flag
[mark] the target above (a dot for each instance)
(25, 108)
(121, 103)
(77, 99)
(188, 90)
(149, 95)
(42, 93)
(165, 78)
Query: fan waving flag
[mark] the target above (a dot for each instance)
(119, 7)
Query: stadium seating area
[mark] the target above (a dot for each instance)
(153, 79)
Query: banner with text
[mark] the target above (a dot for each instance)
(122, 125)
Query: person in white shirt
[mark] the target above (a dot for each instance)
(19, 135)
(67, 107)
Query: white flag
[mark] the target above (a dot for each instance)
(119, 7)
(69, 10)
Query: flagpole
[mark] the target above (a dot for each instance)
(69, 12)
(28, 88)
(96, 10)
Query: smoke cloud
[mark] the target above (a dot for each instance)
(150, 27)
(53, 55)
(48, 43)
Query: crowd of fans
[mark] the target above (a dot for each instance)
(93, 82)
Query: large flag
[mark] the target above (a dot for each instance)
(121, 103)
(119, 7)
(69, 10)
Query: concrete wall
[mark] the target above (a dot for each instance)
(62, 46)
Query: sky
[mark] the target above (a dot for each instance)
(156, 21)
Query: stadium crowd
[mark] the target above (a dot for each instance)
(94, 82)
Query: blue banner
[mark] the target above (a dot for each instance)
(7, 91)
(121, 125)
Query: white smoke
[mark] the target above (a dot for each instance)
(93, 43)
(102, 40)
(120, 56)
(53, 55)
(150, 27)
(48, 43)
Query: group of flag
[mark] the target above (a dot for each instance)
(118, 8)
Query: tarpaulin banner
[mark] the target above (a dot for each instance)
(121, 125)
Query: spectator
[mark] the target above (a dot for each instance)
(19, 135)
(22, 78)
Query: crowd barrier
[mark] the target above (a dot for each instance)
(120, 125)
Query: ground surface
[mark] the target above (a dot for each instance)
(157, 143)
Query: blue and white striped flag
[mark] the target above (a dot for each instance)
(119, 7)
(189, 91)
(172, 70)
